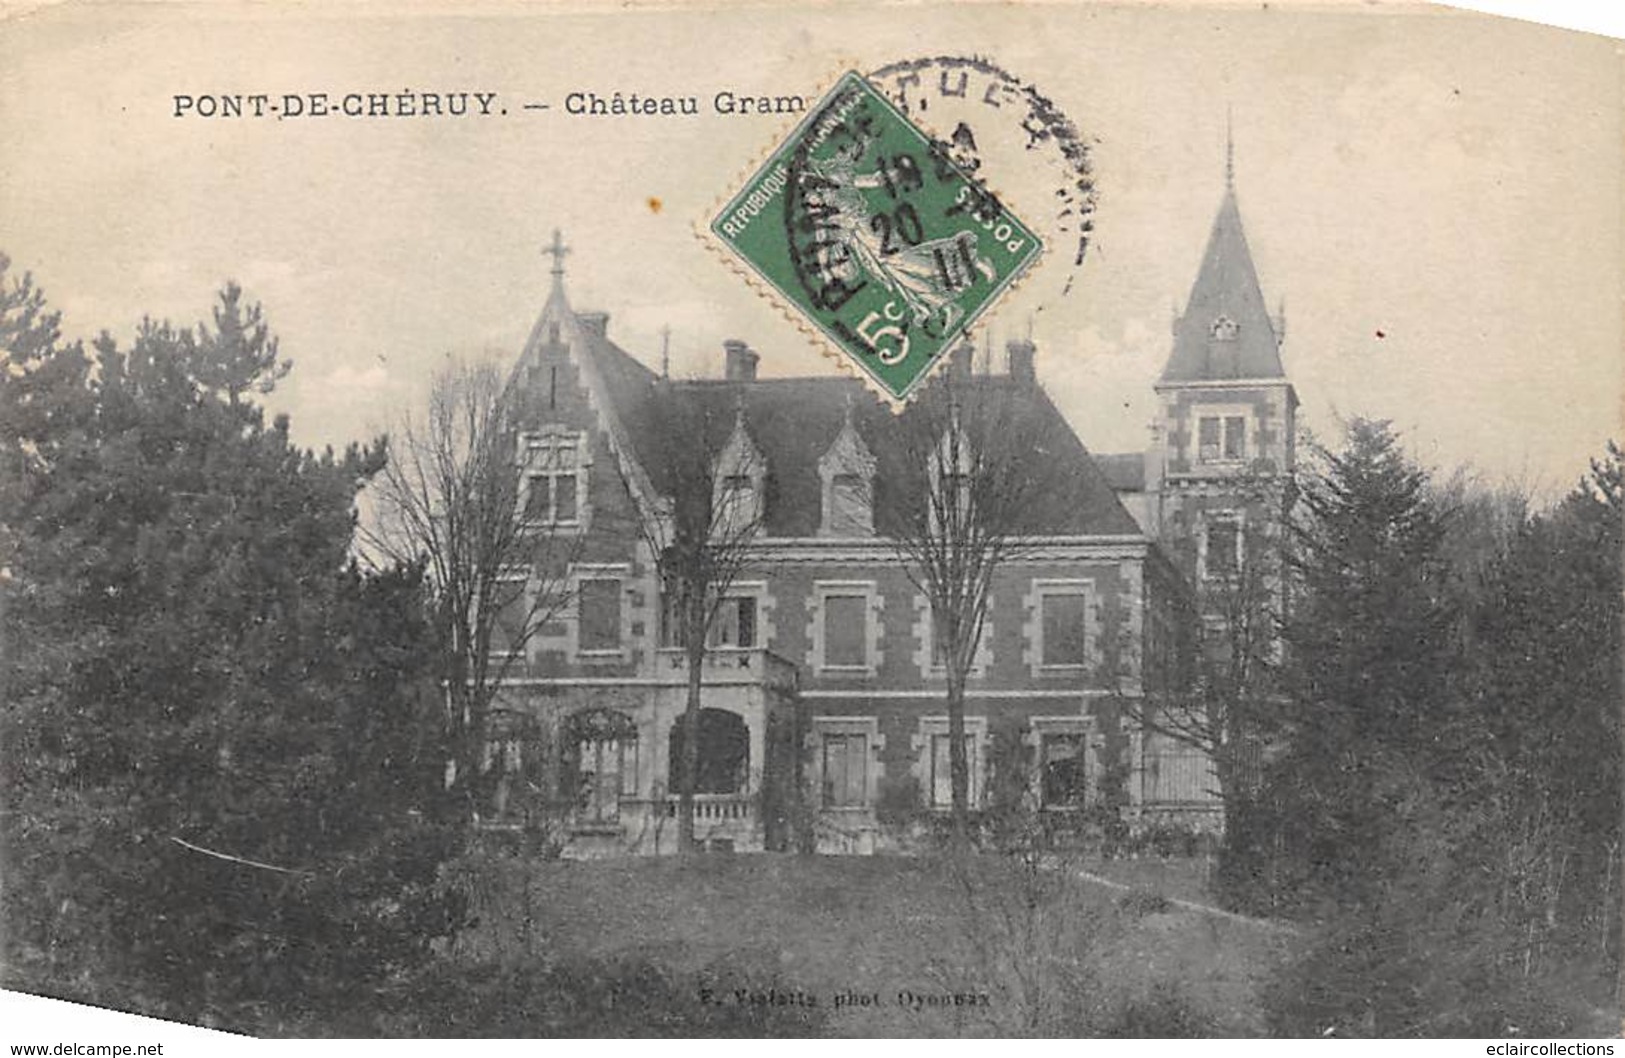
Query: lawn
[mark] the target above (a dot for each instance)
(877, 943)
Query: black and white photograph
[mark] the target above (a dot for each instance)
(727, 520)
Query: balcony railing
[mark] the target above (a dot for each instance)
(730, 666)
(716, 808)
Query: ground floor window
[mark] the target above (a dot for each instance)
(1063, 770)
(602, 764)
(502, 769)
(845, 770)
(606, 772)
(942, 783)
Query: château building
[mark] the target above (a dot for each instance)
(823, 698)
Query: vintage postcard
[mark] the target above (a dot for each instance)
(936, 520)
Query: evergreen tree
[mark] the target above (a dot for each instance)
(1452, 790)
(1370, 660)
(218, 731)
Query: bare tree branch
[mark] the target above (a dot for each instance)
(699, 534)
(974, 459)
(450, 498)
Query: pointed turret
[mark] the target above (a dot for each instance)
(1226, 331)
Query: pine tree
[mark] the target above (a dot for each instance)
(1479, 849)
(1370, 660)
(217, 729)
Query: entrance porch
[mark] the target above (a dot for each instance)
(592, 769)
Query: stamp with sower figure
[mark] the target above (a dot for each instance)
(868, 227)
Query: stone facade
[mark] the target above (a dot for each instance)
(824, 714)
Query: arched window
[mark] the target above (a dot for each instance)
(511, 766)
(601, 765)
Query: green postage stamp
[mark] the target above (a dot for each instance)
(867, 226)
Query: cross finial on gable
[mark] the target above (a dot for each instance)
(557, 250)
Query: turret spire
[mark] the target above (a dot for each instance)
(1225, 331)
(1229, 151)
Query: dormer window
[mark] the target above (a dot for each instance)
(741, 472)
(1224, 329)
(849, 513)
(847, 471)
(553, 471)
(738, 501)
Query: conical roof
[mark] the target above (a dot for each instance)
(1225, 332)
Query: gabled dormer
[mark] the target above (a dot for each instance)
(846, 472)
(952, 476)
(739, 481)
(573, 388)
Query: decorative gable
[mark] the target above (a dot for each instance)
(846, 473)
(739, 481)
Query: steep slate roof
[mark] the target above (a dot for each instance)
(629, 383)
(1125, 470)
(793, 421)
(1226, 286)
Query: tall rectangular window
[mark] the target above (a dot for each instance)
(606, 771)
(539, 498)
(738, 498)
(1064, 778)
(599, 607)
(565, 508)
(1235, 437)
(1065, 628)
(849, 504)
(735, 623)
(845, 770)
(846, 631)
(1223, 550)
(1207, 438)
(508, 631)
(942, 783)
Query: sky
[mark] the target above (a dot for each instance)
(1435, 196)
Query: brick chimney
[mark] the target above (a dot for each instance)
(596, 323)
(740, 363)
(1021, 352)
